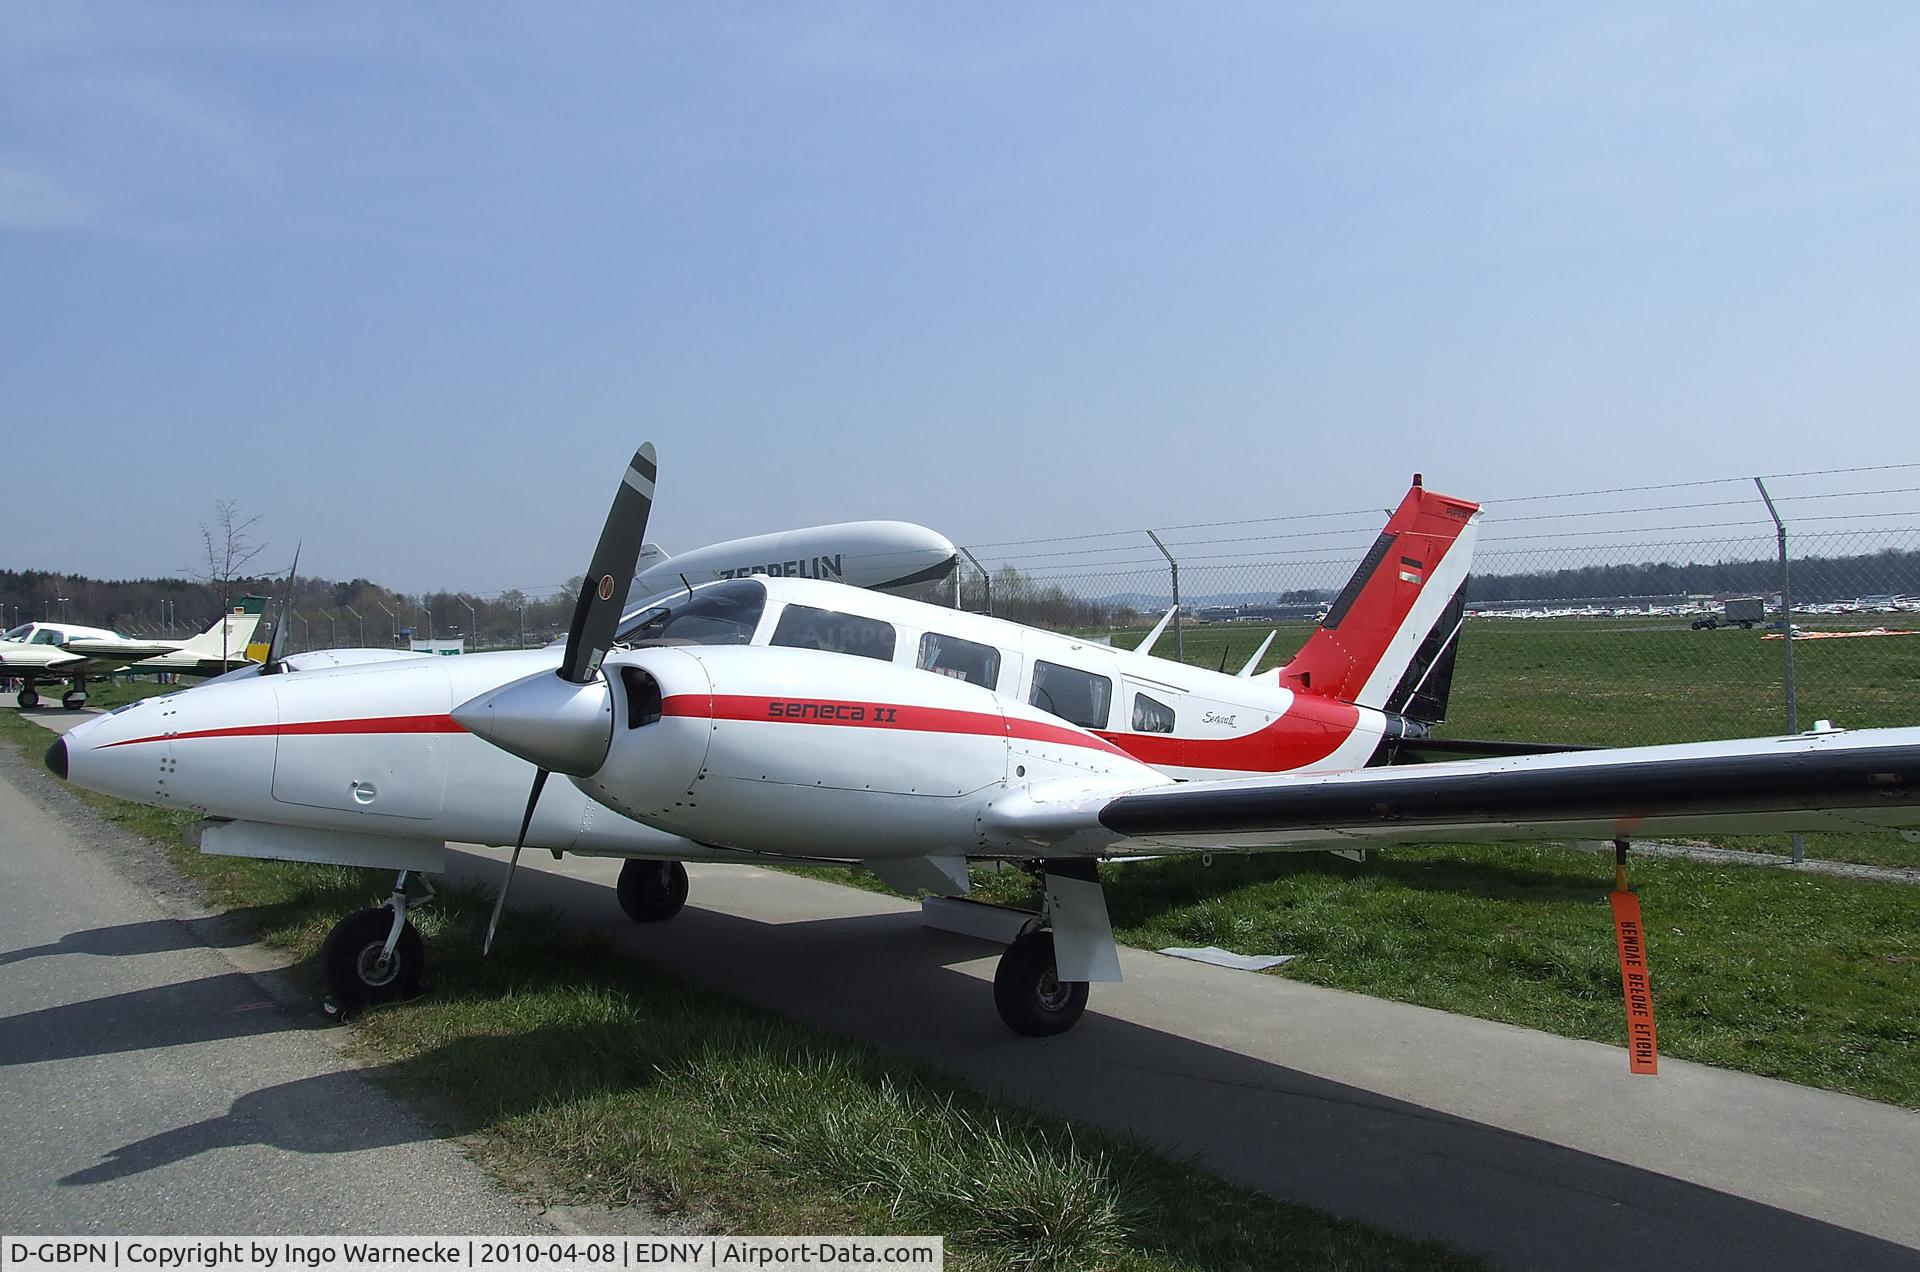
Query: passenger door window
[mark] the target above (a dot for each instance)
(1078, 697)
(1151, 715)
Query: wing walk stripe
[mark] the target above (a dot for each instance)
(1626, 790)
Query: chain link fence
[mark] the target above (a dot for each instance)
(1613, 618)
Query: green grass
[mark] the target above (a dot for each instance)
(592, 1078)
(1803, 977)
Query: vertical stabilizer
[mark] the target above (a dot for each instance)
(238, 622)
(1388, 640)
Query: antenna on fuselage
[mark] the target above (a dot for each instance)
(1146, 646)
(1258, 654)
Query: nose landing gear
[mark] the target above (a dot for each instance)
(376, 955)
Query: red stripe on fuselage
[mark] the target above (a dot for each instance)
(298, 728)
(850, 714)
(1310, 731)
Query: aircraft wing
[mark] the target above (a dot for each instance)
(1838, 780)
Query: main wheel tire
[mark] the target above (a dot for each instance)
(28, 699)
(652, 891)
(351, 959)
(73, 700)
(1029, 993)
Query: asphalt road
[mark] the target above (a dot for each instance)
(153, 1082)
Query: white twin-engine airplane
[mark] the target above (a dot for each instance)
(782, 719)
(39, 653)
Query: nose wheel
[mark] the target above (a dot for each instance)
(376, 956)
(28, 698)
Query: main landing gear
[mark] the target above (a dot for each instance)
(651, 891)
(1040, 987)
(376, 956)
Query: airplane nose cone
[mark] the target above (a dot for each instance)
(57, 758)
(545, 720)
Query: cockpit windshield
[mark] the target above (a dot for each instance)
(18, 633)
(715, 614)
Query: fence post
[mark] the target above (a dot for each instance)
(986, 581)
(1786, 634)
(1179, 637)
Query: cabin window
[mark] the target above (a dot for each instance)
(962, 659)
(1151, 715)
(804, 627)
(1078, 697)
(48, 636)
(719, 614)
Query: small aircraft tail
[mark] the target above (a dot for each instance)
(1388, 640)
(238, 624)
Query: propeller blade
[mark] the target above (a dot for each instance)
(513, 863)
(280, 615)
(603, 593)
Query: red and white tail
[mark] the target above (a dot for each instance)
(1388, 640)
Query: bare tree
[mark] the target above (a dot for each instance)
(231, 547)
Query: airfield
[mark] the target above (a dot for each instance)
(207, 1080)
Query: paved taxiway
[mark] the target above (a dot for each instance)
(152, 1081)
(1534, 1150)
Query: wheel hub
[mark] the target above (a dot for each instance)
(1050, 992)
(375, 966)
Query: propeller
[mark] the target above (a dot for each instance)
(596, 616)
(513, 862)
(280, 616)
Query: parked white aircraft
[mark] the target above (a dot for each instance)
(65, 653)
(782, 719)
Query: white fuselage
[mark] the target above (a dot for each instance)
(371, 747)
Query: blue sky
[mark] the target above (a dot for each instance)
(412, 280)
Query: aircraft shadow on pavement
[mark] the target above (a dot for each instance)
(154, 936)
(327, 1113)
(1522, 1201)
(228, 1005)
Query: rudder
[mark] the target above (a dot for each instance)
(1388, 640)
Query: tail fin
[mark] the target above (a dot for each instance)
(1388, 640)
(238, 623)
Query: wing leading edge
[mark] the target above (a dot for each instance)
(1865, 780)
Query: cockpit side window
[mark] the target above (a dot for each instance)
(804, 627)
(48, 636)
(722, 614)
(1078, 697)
(962, 659)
